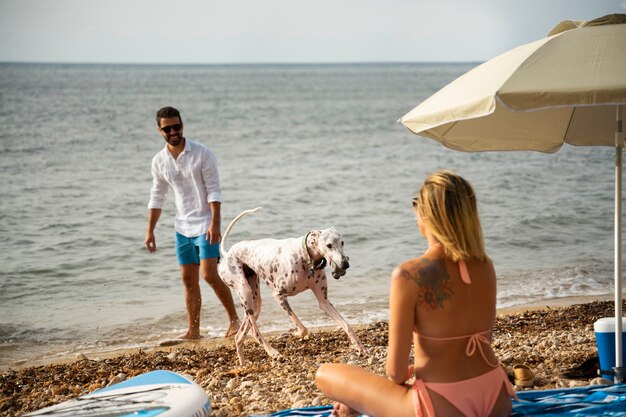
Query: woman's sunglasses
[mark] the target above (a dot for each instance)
(175, 128)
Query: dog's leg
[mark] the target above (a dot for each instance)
(253, 281)
(240, 336)
(271, 352)
(256, 295)
(250, 298)
(300, 330)
(249, 323)
(321, 293)
(236, 279)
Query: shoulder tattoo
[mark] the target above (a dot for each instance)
(434, 286)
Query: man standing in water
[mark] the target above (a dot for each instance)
(190, 169)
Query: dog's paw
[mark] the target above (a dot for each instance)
(299, 332)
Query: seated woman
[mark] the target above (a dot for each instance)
(442, 303)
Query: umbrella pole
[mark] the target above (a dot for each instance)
(619, 146)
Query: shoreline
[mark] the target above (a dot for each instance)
(215, 341)
(553, 303)
(549, 336)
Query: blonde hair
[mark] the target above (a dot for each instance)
(446, 205)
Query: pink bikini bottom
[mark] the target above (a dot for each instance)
(474, 397)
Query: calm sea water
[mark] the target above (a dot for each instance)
(315, 145)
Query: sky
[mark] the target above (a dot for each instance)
(279, 31)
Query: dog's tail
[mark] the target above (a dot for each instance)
(230, 226)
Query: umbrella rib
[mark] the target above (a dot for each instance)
(446, 132)
(569, 123)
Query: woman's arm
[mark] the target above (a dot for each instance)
(402, 298)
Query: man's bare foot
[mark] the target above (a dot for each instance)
(342, 410)
(232, 329)
(190, 336)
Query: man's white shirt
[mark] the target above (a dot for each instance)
(194, 178)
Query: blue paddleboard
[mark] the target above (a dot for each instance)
(156, 393)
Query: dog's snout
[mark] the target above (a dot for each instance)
(345, 265)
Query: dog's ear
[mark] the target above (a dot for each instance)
(314, 235)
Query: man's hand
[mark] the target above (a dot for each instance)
(153, 218)
(150, 242)
(213, 235)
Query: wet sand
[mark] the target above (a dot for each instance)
(549, 338)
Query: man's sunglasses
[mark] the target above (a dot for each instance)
(175, 128)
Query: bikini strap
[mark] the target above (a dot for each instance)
(420, 392)
(464, 272)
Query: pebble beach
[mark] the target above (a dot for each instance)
(549, 340)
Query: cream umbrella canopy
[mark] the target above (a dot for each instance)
(569, 87)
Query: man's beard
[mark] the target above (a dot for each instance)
(174, 140)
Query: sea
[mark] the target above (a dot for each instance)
(314, 145)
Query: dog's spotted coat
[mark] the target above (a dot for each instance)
(288, 267)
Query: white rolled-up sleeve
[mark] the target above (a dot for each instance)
(211, 178)
(159, 187)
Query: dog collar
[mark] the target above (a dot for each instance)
(310, 263)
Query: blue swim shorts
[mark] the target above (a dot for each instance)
(189, 250)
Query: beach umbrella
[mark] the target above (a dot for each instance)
(569, 87)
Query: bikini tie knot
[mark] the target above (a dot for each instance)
(479, 340)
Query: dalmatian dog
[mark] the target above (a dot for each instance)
(288, 267)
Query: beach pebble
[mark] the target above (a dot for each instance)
(172, 356)
(57, 390)
(231, 384)
(222, 412)
(117, 379)
(319, 400)
(94, 387)
(80, 356)
(256, 395)
(203, 372)
(299, 404)
(292, 389)
(506, 359)
(297, 398)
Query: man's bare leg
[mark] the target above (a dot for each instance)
(193, 299)
(209, 273)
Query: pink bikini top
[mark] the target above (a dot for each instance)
(475, 340)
